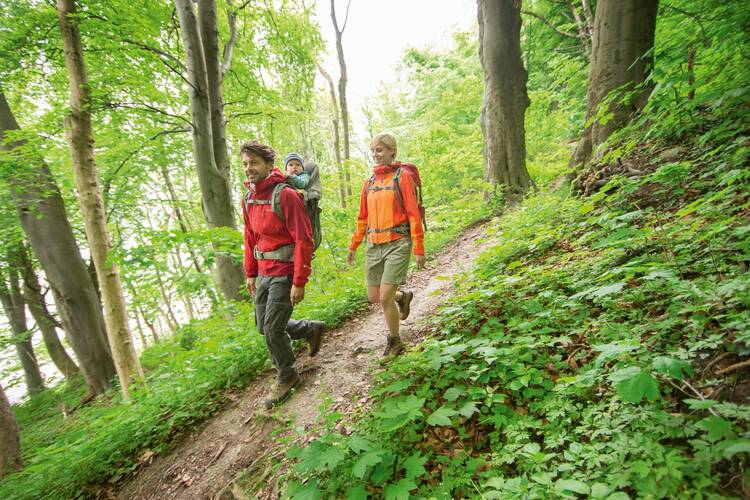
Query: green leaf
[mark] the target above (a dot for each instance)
(454, 393)
(633, 384)
(356, 493)
(572, 485)
(675, 368)
(600, 490)
(358, 444)
(331, 458)
(365, 462)
(442, 416)
(739, 446)
(699, 404)
(414, 466)
(400, 490)
(716, 428)
(468, 409)
(299, 491)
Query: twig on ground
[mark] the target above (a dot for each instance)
(734, 367)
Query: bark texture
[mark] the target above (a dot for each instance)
(212, 176)
(32, 292)
(15, 310)
(81, 140)
(10, 444)
(505, 97)
(40, 208)
(336, 136)
(621, 58)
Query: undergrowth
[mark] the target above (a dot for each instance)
(188, 378)
(595, 350)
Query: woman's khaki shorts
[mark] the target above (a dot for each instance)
(387, 263)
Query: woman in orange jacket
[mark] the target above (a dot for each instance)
(390, 219)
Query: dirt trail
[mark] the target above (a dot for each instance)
(208, 461)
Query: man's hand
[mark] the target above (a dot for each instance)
(250, 285)
(420, 261)
(350, 258)
(297, 294)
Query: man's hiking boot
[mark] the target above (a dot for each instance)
(393, 348)
(317, 327)
(281, 392)
(403, 304)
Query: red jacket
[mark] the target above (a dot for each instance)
(264, 229)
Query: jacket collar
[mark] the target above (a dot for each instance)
(386, 169)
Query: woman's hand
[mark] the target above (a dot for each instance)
(420, 261)
(350, 258)
(250, 285)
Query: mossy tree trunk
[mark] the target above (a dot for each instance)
(81, 140)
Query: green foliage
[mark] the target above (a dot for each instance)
(573, 360)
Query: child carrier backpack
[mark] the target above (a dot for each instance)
(311, 197)
(414, 171)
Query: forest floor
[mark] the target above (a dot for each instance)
(235, 454)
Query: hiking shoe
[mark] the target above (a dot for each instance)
(281, 392)
(403, 305)
(317, 327)
(393, 347)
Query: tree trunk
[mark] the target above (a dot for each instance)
(41, 211)
(342, 93)
(505, 98)
(621, 57)
(10, 443)
(214, 184)
(81, 139)
(32, 292)
(179, 215)
(15, 310)
(336, 136)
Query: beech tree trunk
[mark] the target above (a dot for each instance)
(15, 310)
(342, 92)
(621, 58)
(214, 184)
(10, 443)
(81, 140)
(336, 137)
(32, 292)
(505, 97)
(41, 211)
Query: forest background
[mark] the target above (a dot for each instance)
(194, 343)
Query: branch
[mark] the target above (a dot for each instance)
(733, 367)
(549, 24)
(706, 41)
(346, 17)
(147, 107)
(156, 51)
(589, 16)
(110, 177)
(229, 47)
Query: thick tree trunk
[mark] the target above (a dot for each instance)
(215, 192)
(342, 93)
(10, 443)
(81, 139)
(621, 58)
(41, 211)
(15, 310)
(505, 98)
(32, 292)
(336, 137)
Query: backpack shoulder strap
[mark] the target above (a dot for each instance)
(276, 200)
(397, 186)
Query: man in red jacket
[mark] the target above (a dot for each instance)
(277, 264)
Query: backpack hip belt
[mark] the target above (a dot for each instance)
(282, 254)
(404, 229)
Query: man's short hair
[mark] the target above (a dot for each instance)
(259, 149)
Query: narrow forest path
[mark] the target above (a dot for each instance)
(208, 461)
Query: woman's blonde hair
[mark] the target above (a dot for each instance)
(386, 139)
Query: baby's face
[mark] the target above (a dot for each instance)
(294, 167)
